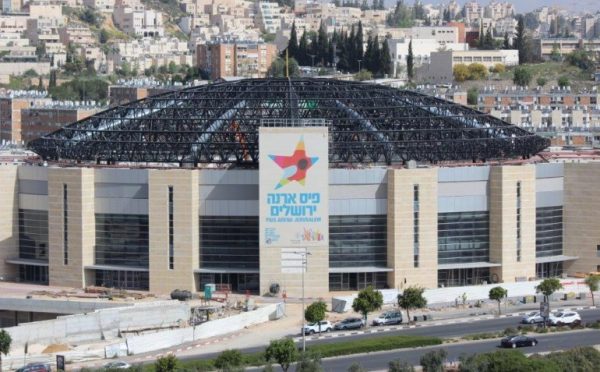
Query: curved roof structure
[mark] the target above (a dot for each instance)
(218, 123)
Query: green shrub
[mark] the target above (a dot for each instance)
(167, 363)
(400, 366)
(229, 360)
(433, 361)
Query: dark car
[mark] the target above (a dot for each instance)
(350, 323)
(35, 367)
(518, 341)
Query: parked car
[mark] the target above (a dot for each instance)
(350, 323)
(389, 317)
(35, 367)
(312, 328)
(518, 341)
(119, 364)
(565, 318)
(533, 317)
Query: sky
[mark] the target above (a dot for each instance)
(528, 5)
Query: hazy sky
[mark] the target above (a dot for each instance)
(527, 5)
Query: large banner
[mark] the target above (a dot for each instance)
(293, 187)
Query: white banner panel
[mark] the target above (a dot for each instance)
(294, 200)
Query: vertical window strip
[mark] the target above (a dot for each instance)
(171, 231)
(416, 225)
(65, 226)
(519, 221)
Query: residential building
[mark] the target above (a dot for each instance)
(134, 19)
(267, 17)
(544, 47)
(11, 105)
(422, 51)
(236, 59)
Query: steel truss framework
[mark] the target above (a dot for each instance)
(218, 123)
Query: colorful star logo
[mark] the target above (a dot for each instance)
(295, 166)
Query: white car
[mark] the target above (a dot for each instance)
(565, 318)
(533, 317)
(117, 365)
(311, 328)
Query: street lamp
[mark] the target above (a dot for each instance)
(304, 254)
(359, 61)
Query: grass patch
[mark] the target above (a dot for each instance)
(374, 344)
(481, 336)
(324, 351)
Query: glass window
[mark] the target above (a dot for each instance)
(132, 280)
(463, 237)
(548, 231)
(33, 234)
(122, 240)
(358, 241)
(357, 281)
(229, 242)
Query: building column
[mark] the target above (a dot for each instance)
(73, 188)
(169, 272)
(512, 190)
(581, 216)
(405, 211)
(9, 217)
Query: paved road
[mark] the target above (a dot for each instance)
(443, 331)
(379, 361)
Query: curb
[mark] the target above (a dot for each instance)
(431, 324)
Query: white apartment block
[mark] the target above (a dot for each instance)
(147, 52)
(441, 34)
(440, 68)
(473, 12)
(267, 17)
(498, 10)
(104, 6)
(134, 19)
(422, 51)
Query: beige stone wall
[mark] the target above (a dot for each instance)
(9, 222)
(581, 216)
(400, 227)
(186, 234)
(503, 221)
(81, 225)
(316, 277)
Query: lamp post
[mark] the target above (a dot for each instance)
(304, 254)
(359, 61)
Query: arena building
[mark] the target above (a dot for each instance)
(166, 192)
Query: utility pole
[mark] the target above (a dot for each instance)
(359, 61)
(304, 254)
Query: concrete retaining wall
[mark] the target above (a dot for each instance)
(164, 339)
(101, 324)
(65, 306)
(448, 295)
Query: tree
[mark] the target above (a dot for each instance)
(434, 360)
(497, 294)
(400, 366)
(104, 36)
(547, 287)
(40, 50)
(472, 96)
(283, 351)
(555, 53)
(506, 43)
(278, 68)
(460, 72)
(477, 71)
(40, 84)
(172, 68)
(355, 367)
(521, 76)
(563, 81)
(412, 298)
(581, 59)
(385, 59)
(541, 81)
(167, 363)
(52, 80)
(593, 282)
(505, 360)
(410, 61)
(368, 300)
(363, 75)
(309, 362)
(5, 341)
(498, 68)
(315, 312)
(229, 360)
(293, 43)
(520, 39)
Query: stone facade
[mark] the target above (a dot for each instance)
(9, 226)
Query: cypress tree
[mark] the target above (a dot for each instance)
(385, 59)
(359, 41)
(302, 50)
(520, 43)
(368, 57)
(506, 44)
(40, 84)
(350, 51)
(488, 42)
(323, 44)
(293, 43)
(376, 66)
(410, 61)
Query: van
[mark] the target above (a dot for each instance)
(389, 317)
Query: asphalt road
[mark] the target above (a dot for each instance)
(380, 360)
(443, 331)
